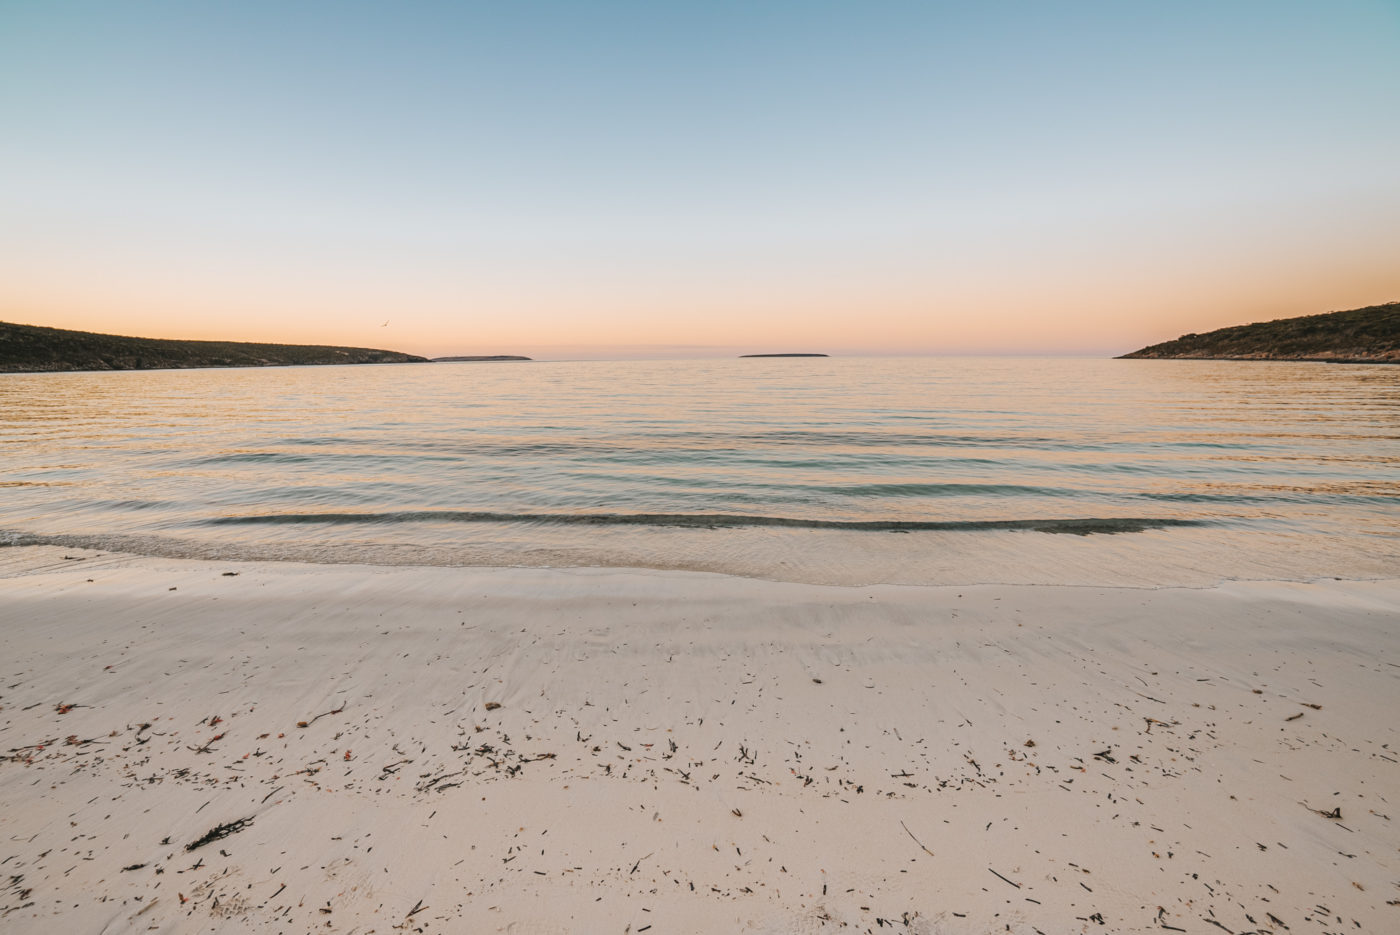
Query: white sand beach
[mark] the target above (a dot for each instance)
(197, 746)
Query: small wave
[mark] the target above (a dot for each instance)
(1074, 526)
(253, 457)
(1281, 495)
(933, 490)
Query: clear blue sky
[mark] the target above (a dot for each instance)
(1082, 176)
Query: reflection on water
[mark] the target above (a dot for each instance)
(1281, 469)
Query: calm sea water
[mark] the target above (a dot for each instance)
(847, 471)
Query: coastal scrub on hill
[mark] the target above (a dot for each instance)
(1360, 335)
(31, 348)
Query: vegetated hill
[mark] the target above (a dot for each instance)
(30, 348)
(1361, 335)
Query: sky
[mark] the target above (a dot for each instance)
(609, 177)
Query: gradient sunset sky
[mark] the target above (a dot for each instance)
(592, 178)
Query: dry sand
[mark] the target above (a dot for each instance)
(527, 750)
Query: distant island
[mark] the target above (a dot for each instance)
(1368, 335)
(450, 360)
(34, 349)
(784, 355)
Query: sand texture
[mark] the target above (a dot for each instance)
(199, 747)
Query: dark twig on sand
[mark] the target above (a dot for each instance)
(219, 832)
(321, 715)
(1000, 877)
(918, 842)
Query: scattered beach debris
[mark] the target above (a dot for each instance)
(866, 758)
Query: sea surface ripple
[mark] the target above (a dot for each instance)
(1158, 471)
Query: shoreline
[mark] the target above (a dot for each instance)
(1195, 556)
(803, 755)
(1265, 360)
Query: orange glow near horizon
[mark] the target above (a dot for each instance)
(1108, 314)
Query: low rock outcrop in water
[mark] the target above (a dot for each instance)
(31, 348)
(1368, 335)
(478, 358)
(784, 355)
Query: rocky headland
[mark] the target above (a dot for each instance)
(1368, 335)
(31, 348)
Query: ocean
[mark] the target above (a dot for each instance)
(848, 471)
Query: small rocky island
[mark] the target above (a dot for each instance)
(35, 349)
(1368, 335)
(478, 358)
(783, 355)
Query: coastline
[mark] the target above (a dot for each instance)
(687, 750)
(1262, 359)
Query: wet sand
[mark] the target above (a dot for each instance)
(199, 746)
